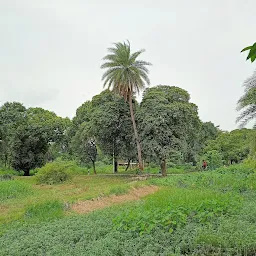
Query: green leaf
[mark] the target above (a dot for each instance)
(252, 53)
(246, 48)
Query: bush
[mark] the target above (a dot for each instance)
(53, 173)
(57, 172)
(4, 170)
(213, 158)
(6, 177)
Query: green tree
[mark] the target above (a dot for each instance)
(110, 124)
(83, 114)
(168, 122)
(30, 145)
(53, 125)
(126, 75)
(252, 52)
(247, 103)
(15, 117)
(12, 115)
(234, 146)
(84, 145)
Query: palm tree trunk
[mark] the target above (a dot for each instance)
(135, 133)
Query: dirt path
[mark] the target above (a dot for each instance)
(134, 194)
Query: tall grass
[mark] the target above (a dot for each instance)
(44, 211)
(13, 189)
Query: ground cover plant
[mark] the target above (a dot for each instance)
(206, 213)
(22, 193)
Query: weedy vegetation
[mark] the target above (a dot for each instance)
(202, 213)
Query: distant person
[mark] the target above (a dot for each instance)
(204, 165)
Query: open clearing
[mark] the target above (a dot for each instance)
(103, 202)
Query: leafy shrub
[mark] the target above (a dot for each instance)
(213, 158)
(53, 173)
(250, 163)
(4, 170)
(6, 177)
(239, 178)
(172, 209)
(13, 189)
(57, 172)
(33, 172)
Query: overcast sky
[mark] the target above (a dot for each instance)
(51, 50)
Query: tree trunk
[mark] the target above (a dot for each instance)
(128, 165)
(5, 161)
(26, 172)
(135, 133)
(94, 169)
(163, 167)
(115, 165)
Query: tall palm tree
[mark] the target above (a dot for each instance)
(247, 103)
(126, 76)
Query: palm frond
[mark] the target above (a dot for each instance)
(247, 103)
(246, 116)
(250, 82)
(125, 74)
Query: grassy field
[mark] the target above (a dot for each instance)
(20, 195)
(207, 213)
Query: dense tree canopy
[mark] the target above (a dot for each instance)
(26, 135)
(111, 125)
(12, 115)
(171, 133)
(29, 148)
(106, 120)
(234, 146)
(168, 123)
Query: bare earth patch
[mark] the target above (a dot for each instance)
(99, 203)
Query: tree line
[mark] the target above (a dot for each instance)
(164, 128)
(168, 124)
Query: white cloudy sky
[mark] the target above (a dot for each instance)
(51, 50)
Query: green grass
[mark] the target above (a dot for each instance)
(13, 189)
(44, 211)
(119, 190)
(206, 213)
(19, 194)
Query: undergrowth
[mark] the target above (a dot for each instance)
(11, 189)
(208, 213)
